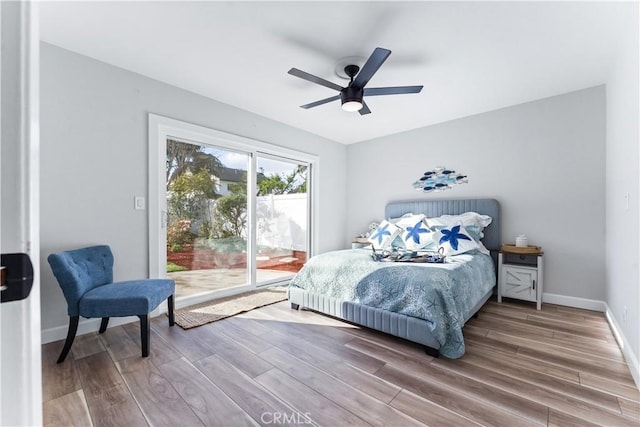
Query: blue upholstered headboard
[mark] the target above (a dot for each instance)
(433, 208)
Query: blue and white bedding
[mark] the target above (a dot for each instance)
(441, 294)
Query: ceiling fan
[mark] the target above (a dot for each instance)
(351, 96)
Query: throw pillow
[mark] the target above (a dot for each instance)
(454, 240)
(382, 236)
(417, 235)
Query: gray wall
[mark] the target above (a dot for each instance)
(622, 253)
(94, 160)
(543, 160)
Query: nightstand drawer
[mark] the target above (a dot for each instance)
(519, 282)
(520, 259)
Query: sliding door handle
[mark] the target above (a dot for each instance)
(164, 219)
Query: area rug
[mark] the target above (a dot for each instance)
(201, 314)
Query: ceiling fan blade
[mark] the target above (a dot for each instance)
(322, 101)
(314, 79)
(365, 109)
(370, 67)
(392, 90)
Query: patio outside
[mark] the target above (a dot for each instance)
(204, 270)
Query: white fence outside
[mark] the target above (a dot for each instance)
(282, 221)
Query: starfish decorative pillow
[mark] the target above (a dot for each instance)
(454, 240)
(382, 236)
(416, 234)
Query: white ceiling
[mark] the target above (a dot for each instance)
(471, 57)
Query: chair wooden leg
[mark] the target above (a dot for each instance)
(71, 335)
(103, 324)
(145, 332)
(170, 310)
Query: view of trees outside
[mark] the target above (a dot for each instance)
(294, 182)
(190, 188)
(207, 203)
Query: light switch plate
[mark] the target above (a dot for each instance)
(139, 203)
(626, 201)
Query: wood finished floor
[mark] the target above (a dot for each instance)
(555, 367)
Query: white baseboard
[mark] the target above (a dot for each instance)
(584, 303)
(627, 351)
(601, 306)
(85, 326)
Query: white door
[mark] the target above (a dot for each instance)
(21, 387)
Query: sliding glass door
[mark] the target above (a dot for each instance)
(282, 217)
(228, 214)
(206, 233)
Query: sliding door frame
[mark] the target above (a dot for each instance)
(162, 128)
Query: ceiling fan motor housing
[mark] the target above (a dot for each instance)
(351, 93)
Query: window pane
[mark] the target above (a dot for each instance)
(207, 218)
(281, 218)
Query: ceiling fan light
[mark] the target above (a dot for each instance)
(351, 98)
(352, 106)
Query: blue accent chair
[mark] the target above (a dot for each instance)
(86, 278)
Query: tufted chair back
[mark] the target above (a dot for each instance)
(78, 271)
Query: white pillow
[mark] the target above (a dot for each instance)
(382, 236)
(416, 234)
(466, 219)
(472, 222)
(454, 240)
(407, 219)
(403, 218)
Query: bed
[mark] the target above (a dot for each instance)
(393, 297)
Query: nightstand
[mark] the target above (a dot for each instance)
(520, 273)
(360, 242)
